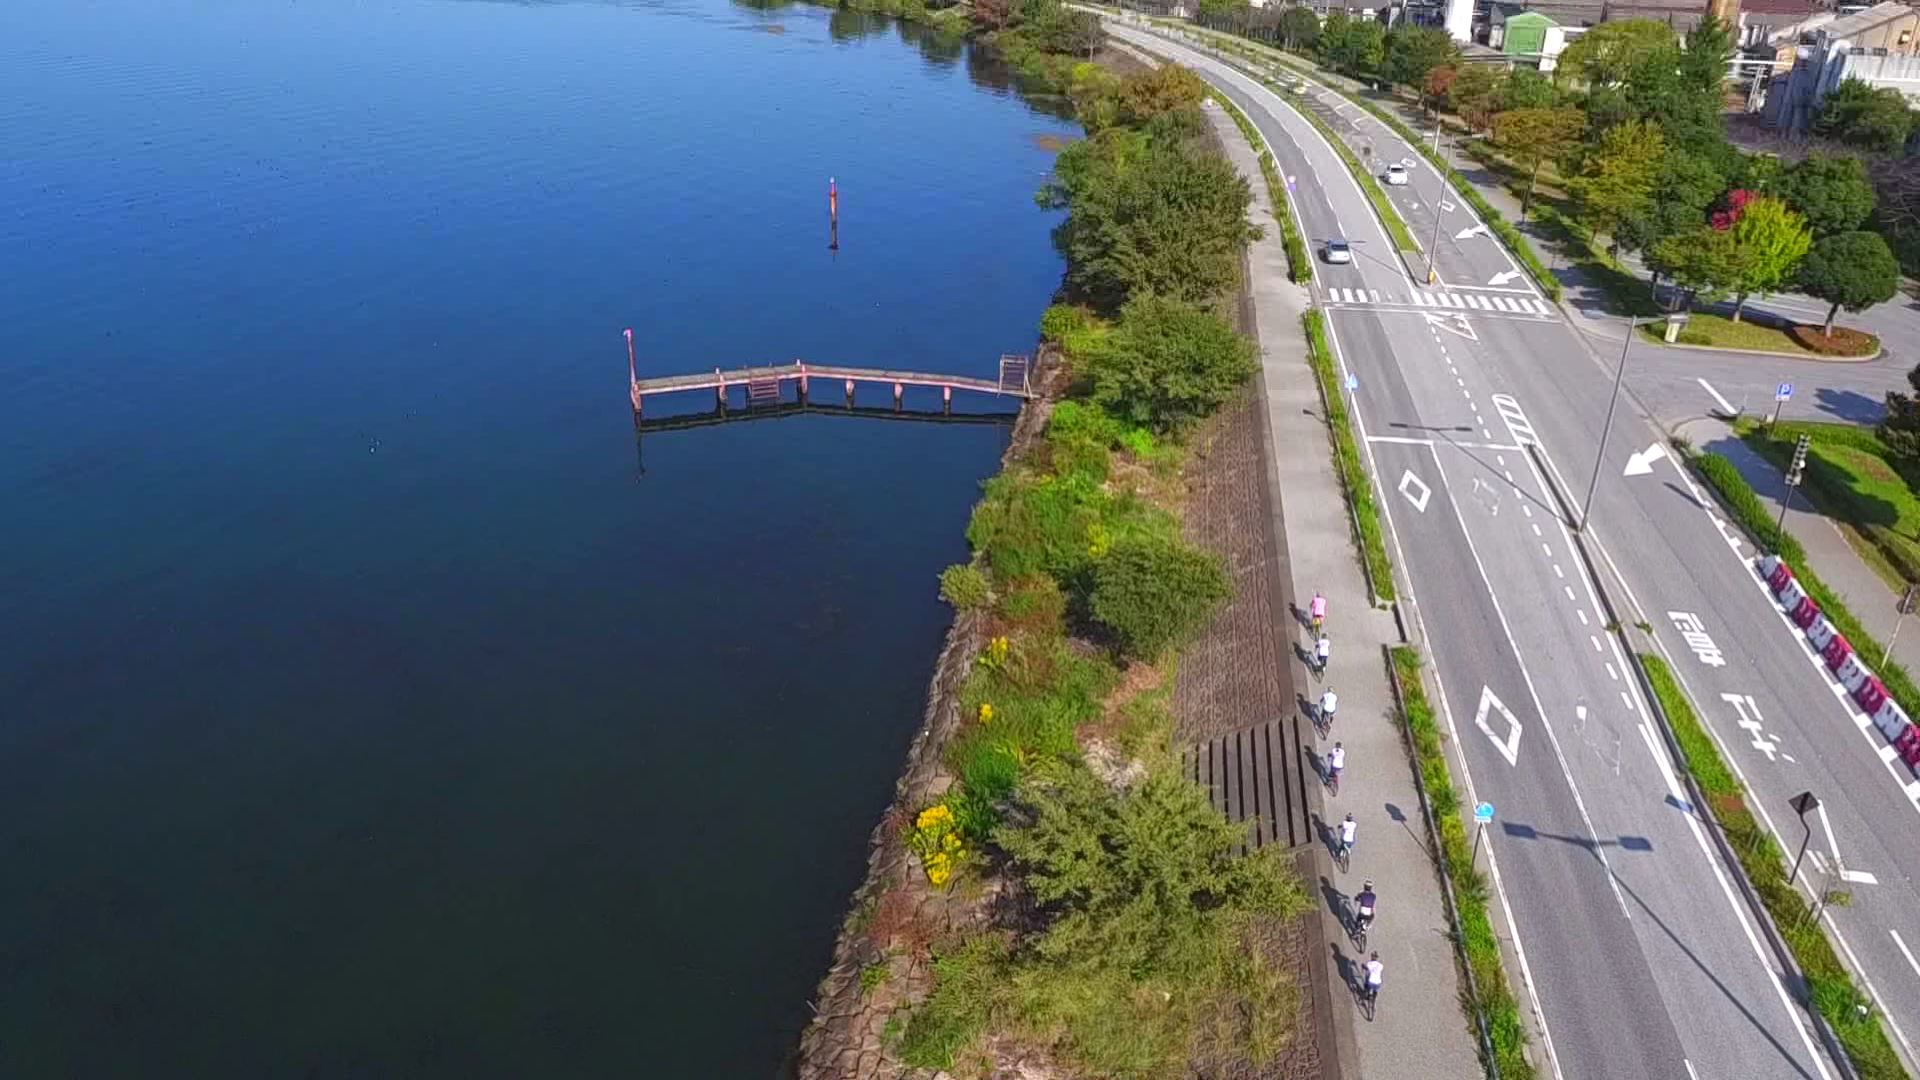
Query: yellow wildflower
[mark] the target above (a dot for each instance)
(986, 713)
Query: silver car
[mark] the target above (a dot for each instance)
(1397, 176)
(1338, 251)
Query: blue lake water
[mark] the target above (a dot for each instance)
(365, 709)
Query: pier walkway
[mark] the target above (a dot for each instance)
(763, 384)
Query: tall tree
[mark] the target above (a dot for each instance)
(1861, 115)
(1299, 27)
(1832, 193)
(1146, 215)
(1683, 189)
(1413, 51)
(1438, 82)
(1606, 54)
(1900, 428)
(991, 15)
(1475, 94)
(1703, 62)
(1769, 241)
(1852, 270)
(1617, 177)
(1535, 137)
(1528, 89)
(1898, 216)
(1355, 46)
(1702, 261)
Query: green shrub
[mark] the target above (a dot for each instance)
(964, 586)
(1035, 604)
(1168, 364)
(1154, 594)
(969, 977)
(1062, 323)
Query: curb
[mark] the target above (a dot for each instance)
(1811, 358)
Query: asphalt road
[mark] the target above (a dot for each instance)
(1632, 936)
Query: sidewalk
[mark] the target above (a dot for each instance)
(1828, 552)
(1420, 1029)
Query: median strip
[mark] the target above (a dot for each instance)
(1489, 996)
(1346, 456)
(1298, 268)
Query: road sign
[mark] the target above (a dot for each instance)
(1804, 803)
(1783, 392)
(1353, 382)
(1483, 813)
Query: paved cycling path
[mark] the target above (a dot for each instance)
(1419, 1029)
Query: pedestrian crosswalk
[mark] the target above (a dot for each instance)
(1442, 300)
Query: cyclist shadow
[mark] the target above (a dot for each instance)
(1301, 615)
(1348, 968)
(1316, 762)
(1337, 903)
(1328, 838)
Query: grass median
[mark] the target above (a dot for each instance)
(1489, 995)
(1840, 1002)
(1390, 217)
(1346, 456)
(1299, 269)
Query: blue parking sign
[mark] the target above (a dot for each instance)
(1783, 391)
(1483, 813)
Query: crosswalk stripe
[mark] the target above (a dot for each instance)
(1503, 303)
(1478, 303)
(1420, 300)
(1346, 295)
(1445, 299)
(1542, 305)
(1375, 293)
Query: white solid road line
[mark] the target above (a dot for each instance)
(1708, 387)
(1906, 952)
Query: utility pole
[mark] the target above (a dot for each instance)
(1439, 196)
(1905, 608)
(1606, 429)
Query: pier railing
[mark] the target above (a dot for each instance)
(763, 385)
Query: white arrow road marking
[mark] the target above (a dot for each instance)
(1477, 230)
(1503, 277)
(1510, 747)
(1859, 877)
(1456, 325)
(1446, 207)
(1411, 481)
(1641, 464)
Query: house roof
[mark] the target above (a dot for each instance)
(1861, 21)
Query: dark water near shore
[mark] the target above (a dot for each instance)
(363, 710)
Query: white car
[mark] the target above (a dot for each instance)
(1338, 251)
(1397, 176)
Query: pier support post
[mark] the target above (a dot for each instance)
(849, 393)
(897, 391)
(946, 401)
(720, 392)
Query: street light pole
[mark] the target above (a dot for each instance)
(1619, 373)
(1439, 196)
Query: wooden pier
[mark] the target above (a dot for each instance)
(763, 385)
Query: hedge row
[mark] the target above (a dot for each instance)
(1829, 985)
(1346, 456)
(1488, 991)
(1299, 270)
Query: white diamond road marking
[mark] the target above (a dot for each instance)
(1408, 484)
(1509, 745)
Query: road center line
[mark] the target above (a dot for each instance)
(1708, 387)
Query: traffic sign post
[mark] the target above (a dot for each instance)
(1905, 608)
(1803, 804)
(1794, 472)
(1482, 816)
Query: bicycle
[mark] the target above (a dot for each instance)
(1343, 854)
(1369, 1000)
(1358, 935)
(1323, 711)
(1333, 782)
